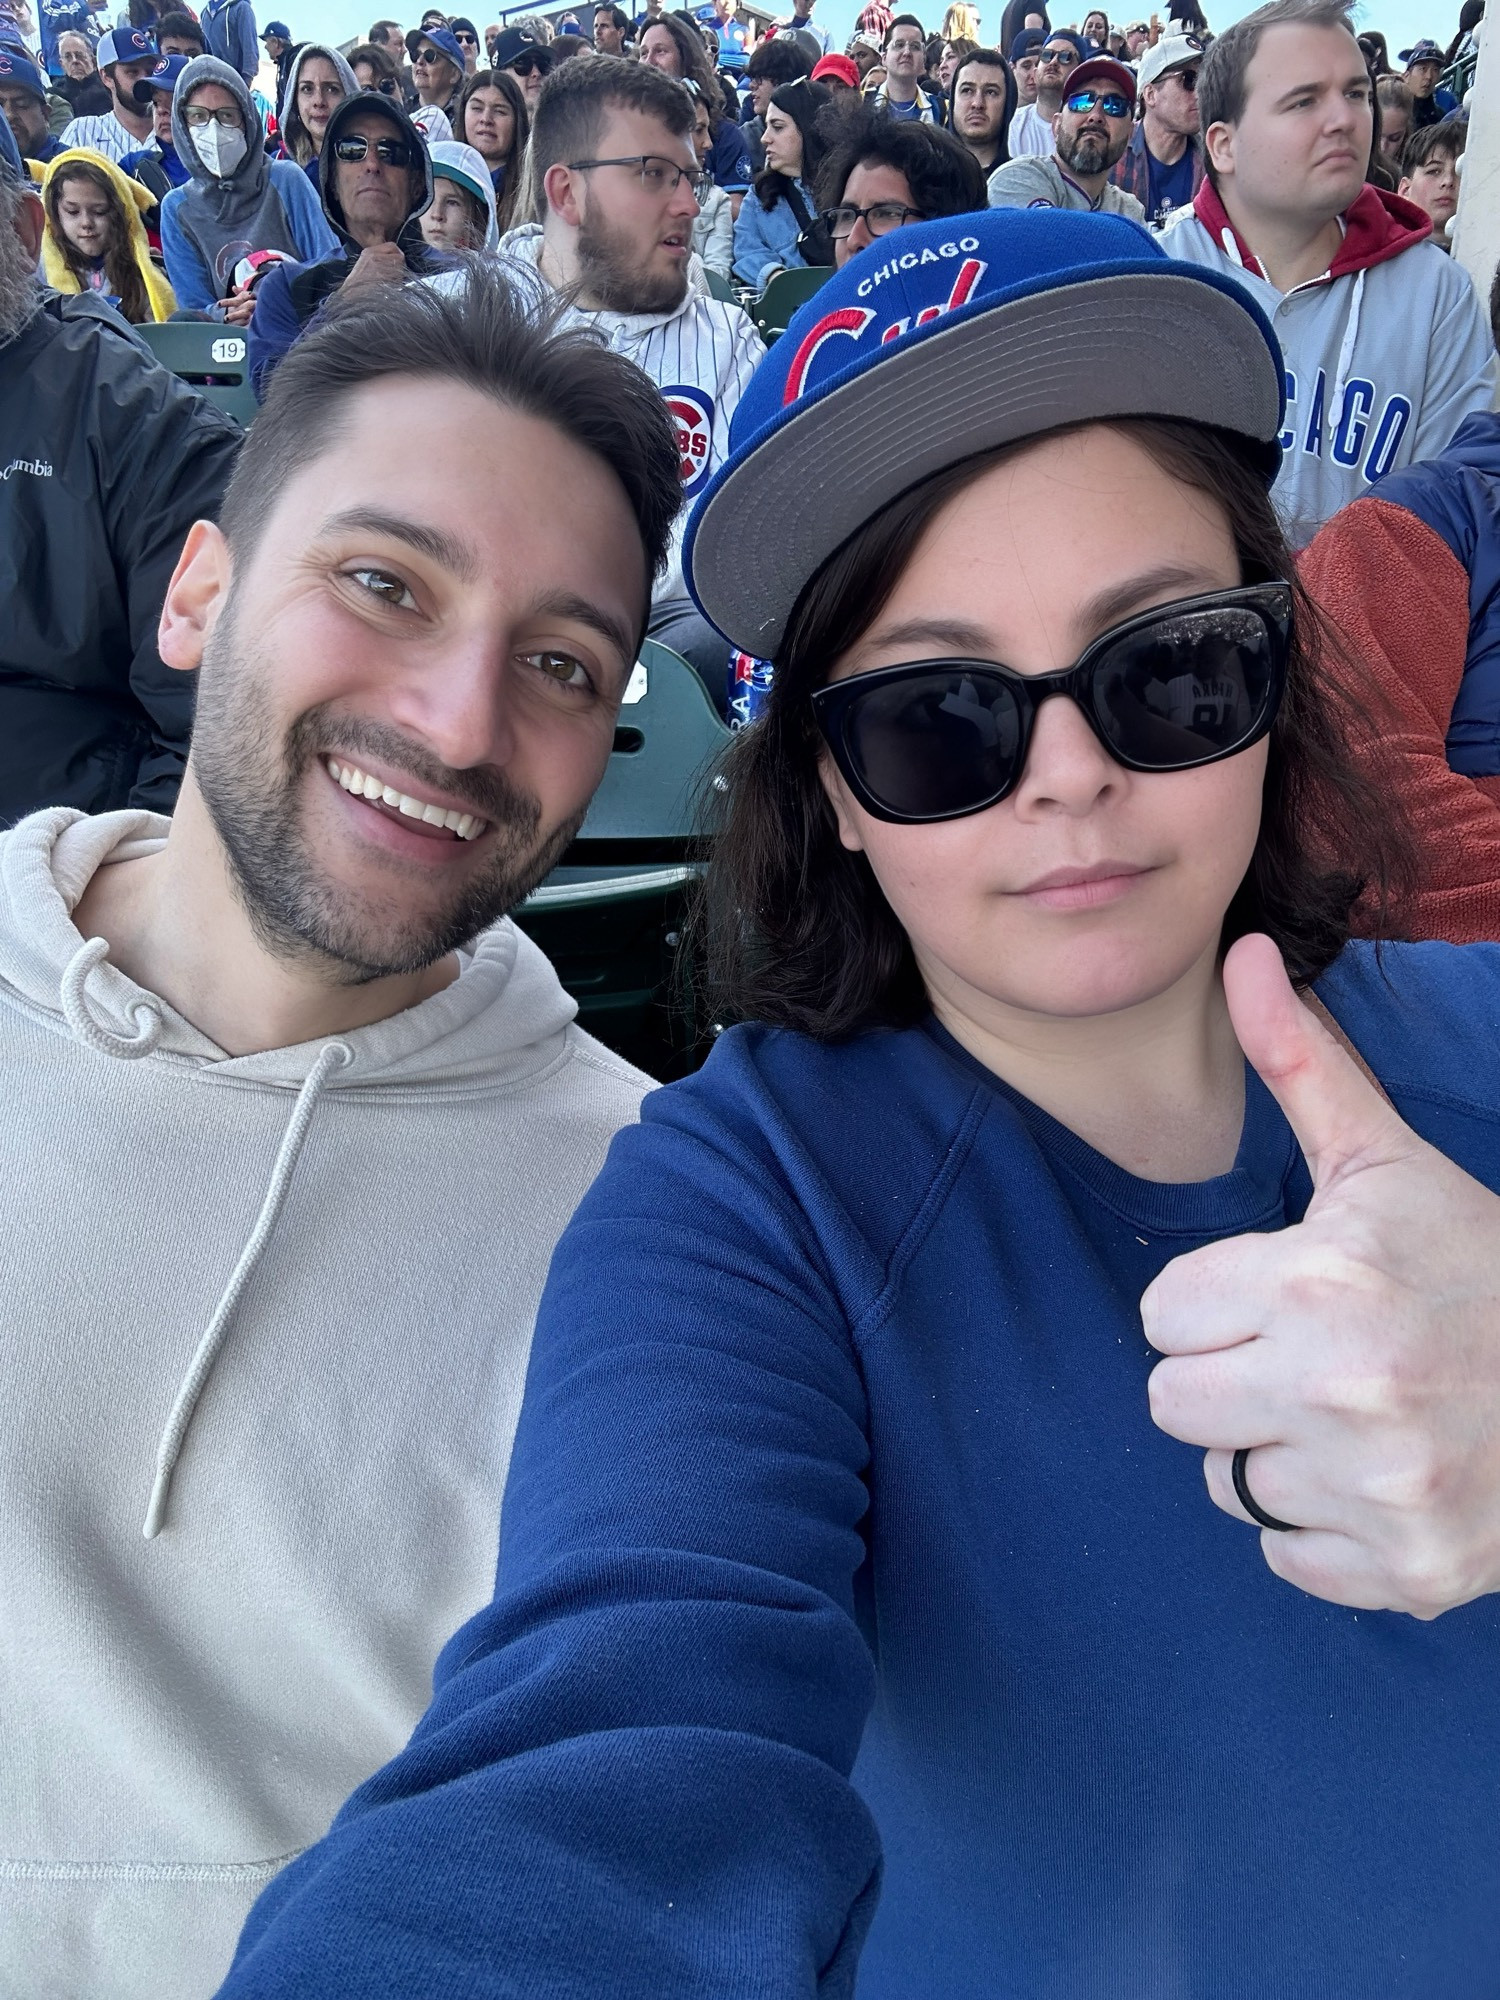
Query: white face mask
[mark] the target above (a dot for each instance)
(220, 148)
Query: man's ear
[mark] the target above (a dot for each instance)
(31, 223)
(832, 781)
(195, 596)
(1218, 144)
(560, 184)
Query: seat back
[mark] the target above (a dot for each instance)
(213, 357)
(782, 297)
(665, 738)
(719, 287)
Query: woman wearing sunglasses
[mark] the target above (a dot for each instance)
(859, 1591)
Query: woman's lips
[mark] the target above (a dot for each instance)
(1083, 888)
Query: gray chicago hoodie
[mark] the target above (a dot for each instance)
(275, 1311)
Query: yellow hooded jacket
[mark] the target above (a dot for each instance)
(135, 200)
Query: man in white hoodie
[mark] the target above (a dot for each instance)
(293, 1118)
(1385, 343)
(612, 153)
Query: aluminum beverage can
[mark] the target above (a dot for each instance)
(749, 688)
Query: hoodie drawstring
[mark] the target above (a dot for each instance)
(1346, 356)
(75, 1006)
(334, 1055)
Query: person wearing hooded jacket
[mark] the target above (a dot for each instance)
(305, 112)
(375, 208)
(230, 28)
(237, 201)
(280, 1210)
(1385, 341)
(110, 460)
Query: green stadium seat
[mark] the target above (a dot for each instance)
(211, 356)
(719, 287)
(787, 291)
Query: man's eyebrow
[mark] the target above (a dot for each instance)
(568, 604)
(438, 547)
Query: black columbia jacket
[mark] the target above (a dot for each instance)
(106, 460)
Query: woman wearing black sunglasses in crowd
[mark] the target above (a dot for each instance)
(857, 1561)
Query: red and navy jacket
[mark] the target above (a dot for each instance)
(1411, 576)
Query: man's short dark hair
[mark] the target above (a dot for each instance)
(780, 60)
(182, 28)
(615, 16)
(383, 29)
(1446, 137)
(943, 175)
(578, 96)
(485, 338)
(904, 21)
(1221, 75)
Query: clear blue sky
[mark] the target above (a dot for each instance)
(1401, 21)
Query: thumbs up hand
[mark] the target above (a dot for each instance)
(1357, 1352)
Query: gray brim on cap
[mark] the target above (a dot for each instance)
(1133, 345)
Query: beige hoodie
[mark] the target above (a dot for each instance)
(282, 1303)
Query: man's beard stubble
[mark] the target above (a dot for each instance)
(609, 271)
(1088, 153)
(252, 789)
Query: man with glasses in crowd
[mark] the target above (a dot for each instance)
(376, 185)
(1031, 129)
(1163, 163)
(982, 104)
(882, 175)
(125, 57)
(906, 93)
(612, 152)
(80, 83)
(1137, 40)
(1092, 130)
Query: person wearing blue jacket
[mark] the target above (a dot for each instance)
(230, 28)
(879, 1593)
(237, 201)
(777, 227)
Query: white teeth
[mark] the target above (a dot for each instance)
(468, 826)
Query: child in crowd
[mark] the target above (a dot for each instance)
(1429, 174)
(96, 237)
(462, 213)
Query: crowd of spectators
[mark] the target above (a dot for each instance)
(518, 275)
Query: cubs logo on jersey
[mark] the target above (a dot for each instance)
(692, 414)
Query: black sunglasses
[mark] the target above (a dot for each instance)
(1179, 686)
(529, 65)
(389, 152)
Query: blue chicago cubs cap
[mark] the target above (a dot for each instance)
(125, 45)
(17, 67)
(163, 77)
(943, 340)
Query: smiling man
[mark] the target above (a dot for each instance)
(314, 1115)
(612, 154)
(1385, 342)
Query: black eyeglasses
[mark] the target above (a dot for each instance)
(880, 218)
(1179, 686)
(529, 65)
(656, 174)
(468, 41)
(429, 59)
(389, 152)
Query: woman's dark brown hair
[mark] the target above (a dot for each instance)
(794, 928)
(507, 197)
(120, 268)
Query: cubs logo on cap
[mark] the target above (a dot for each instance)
(163, 77)
(125, 45)
(692, 414)
(17, 68)
(945, 339)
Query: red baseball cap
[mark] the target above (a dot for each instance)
(843, 67)
(1103, 69)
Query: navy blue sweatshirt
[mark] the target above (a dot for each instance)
(837, 1528)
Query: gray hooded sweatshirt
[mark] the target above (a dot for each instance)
(214, 220)
(276, 1310)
